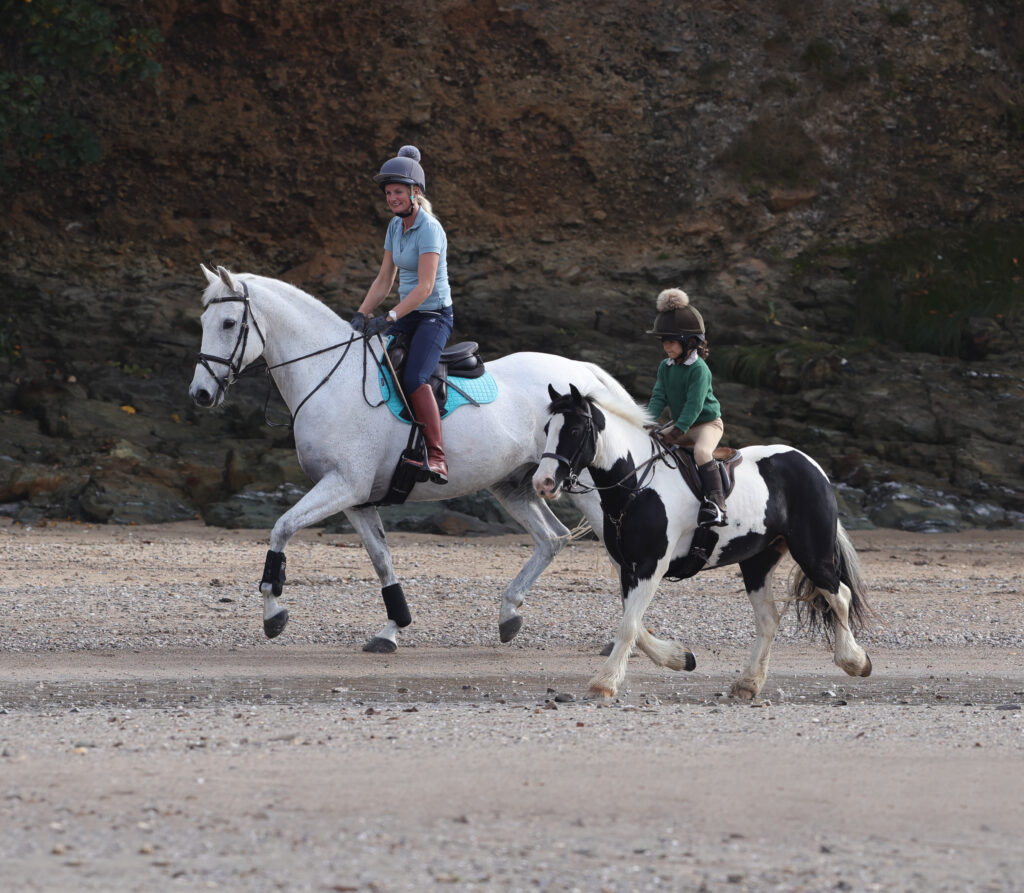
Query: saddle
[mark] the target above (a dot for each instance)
(460, 360)
(728, 459)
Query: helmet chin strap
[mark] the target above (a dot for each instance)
(412, 204)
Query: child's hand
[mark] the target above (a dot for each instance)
(672, 436)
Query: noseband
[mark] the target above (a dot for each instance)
(232, 362)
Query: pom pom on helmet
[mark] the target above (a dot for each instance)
(672, 299)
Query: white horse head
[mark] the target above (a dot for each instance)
(233, 336)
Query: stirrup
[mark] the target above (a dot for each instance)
(710, 515)
(421, 469)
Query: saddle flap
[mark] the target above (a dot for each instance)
(728, 458)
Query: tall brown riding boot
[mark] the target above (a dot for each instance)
(712, 512)
(429, 416)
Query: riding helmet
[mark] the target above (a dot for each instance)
(403, 168)
(676, 318)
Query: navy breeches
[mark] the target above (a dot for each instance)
(428, 331)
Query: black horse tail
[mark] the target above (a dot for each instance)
(809, 597)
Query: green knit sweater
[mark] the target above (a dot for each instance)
(686, 390)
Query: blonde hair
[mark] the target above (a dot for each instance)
(423, 202)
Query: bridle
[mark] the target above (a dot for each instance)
(587, 445)
(232, 362)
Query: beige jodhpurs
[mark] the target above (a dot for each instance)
(704, 438)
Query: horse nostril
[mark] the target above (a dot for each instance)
(202, 397)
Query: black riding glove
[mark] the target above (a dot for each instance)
(358, 322)
(376, 325)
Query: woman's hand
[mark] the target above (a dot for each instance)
(376, 325)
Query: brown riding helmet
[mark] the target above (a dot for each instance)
(676, 318)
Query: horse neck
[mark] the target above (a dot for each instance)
(618, 439)
(621, 447)
(295, 325)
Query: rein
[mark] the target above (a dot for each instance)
(235, 370)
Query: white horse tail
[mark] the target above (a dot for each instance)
(848, 564)
(610, 383)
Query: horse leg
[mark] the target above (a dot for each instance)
(757, 578)
(637, 595)
(663, 652)
(848, 655)
(326, 498)
(824, 565)
(550, 535)
(366, 522)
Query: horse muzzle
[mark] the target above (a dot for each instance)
(202, 397)
(206, 389)
(546, 480)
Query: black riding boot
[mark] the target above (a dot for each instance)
(712, 511)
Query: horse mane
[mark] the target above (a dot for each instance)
(613, 400)
(279, 285)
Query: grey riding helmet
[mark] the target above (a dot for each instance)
(404, 168)
(676, 317)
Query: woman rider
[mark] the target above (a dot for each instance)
(415, 247)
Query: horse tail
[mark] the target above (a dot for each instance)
(808, 596)
(610, 383)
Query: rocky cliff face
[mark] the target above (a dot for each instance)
(581, 158)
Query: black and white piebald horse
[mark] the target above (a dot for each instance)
(782, 502)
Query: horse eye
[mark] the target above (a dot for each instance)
(229, 324)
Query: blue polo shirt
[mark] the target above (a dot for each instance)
(425, 236)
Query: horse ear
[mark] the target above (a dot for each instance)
(576, 395)
(211, 277)
(227, 278)
(552, 393)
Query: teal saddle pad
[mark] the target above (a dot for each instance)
(483, 390)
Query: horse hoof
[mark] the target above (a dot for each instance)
(867, 669)
(377, 645)
(743, 692)
(274, 626)
(508, 630)
(691, 662)
(604, 652)
(600, 691)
